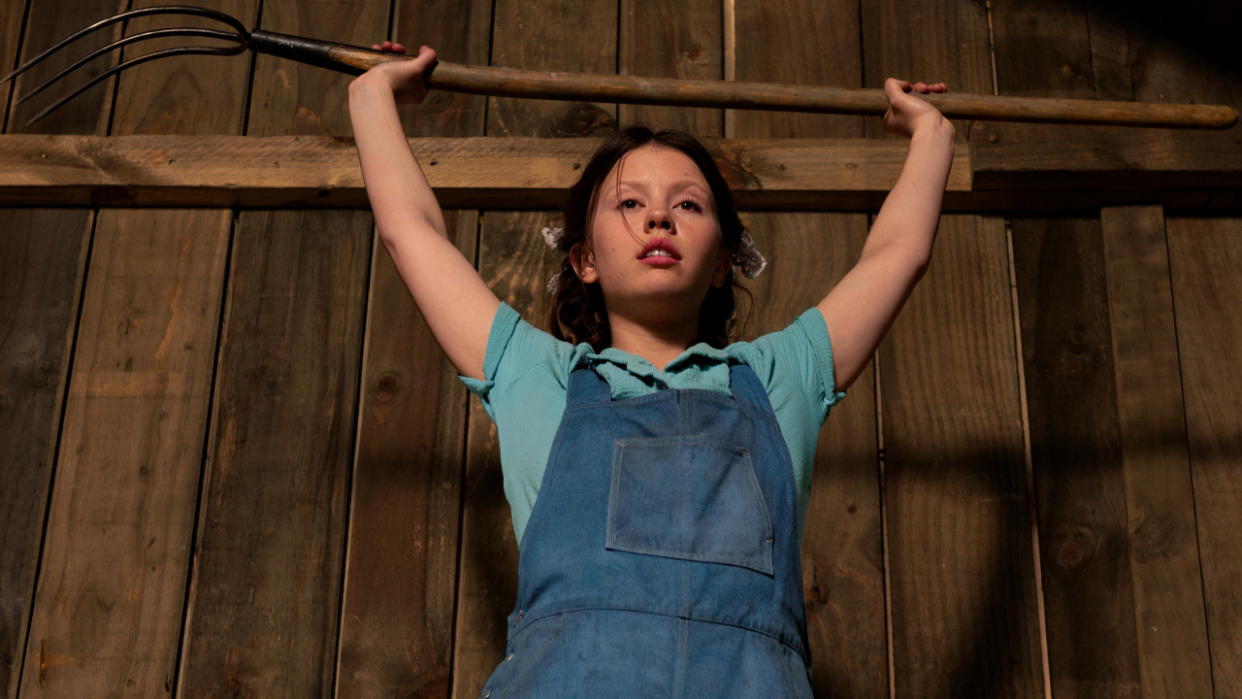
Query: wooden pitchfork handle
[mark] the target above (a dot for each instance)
(507, 82)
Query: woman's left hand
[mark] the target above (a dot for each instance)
(906, 112)
(406, 79)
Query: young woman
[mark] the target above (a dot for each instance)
(658, 476)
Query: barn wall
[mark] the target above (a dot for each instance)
(236, 462)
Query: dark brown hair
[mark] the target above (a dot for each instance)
(576, 312)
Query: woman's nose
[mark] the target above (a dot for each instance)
(659, 221)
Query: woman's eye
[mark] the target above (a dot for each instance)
(629, 204)
(690, 205)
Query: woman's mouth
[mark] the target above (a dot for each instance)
(660, 253)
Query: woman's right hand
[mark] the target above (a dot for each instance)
(405, 78)
(906, 112)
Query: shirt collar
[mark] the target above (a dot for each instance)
(700, 366)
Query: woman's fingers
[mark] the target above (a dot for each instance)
(923, 87)
(389, 47)
(425, 58)
(894, 88)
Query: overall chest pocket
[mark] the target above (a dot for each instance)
(689, 498)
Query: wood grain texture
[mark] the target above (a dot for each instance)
(457, 30)
(1016, 156)
(962, 580)
(41, 273)
(401, 568)
(1110, 59)
(266, 594)
(840, 174)
(47, 23)
(1160, 502)
(294, 98)
(513, 260)
(111, 588)
(842, 555)
(558, 35)
(675, 40)
(962, 572)
(1204, 257)
(1076, 454)
(10, 39)
(1101, 369)
(1068, 361)
(897, 42)
(41, 262)
(167, 97)
(832, 58)
(1042, 49)
(323, 171)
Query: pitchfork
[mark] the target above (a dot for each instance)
(506, 82)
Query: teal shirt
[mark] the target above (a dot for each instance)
(526, 374)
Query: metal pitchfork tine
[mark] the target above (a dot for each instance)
(504, 82)
(239, 36)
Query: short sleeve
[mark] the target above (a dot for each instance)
(503, 324)
(819, 346)
(796, 364)
(521, 360)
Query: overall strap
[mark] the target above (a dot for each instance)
(747, 389)
(586, 386)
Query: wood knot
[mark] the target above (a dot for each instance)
(387, 385)
(735, 170)
(1155, 536)
(1075, 546)
(816, 595)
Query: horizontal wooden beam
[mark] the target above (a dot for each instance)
(1014, 156)
(465, 172)
(1002, 168)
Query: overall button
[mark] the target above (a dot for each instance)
(518, 619)
(507, 658)
(486, 694)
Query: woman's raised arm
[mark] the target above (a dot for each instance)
(456, 304)
(862, 306)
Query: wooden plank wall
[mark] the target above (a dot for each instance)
(235, 462)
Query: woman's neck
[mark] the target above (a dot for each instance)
(658, 345)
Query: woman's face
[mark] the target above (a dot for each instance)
(653, 236)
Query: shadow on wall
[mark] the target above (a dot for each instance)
(1206, 27)
(987, 657)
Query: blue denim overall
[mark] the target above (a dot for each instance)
(661, 558)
